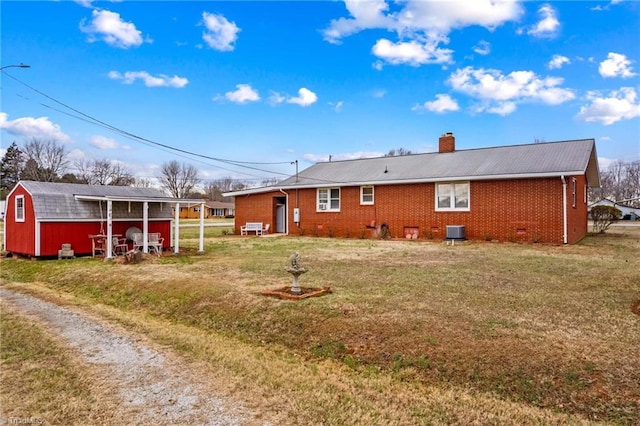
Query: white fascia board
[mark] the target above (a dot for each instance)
(97, 219)
(407, 181)
(139, 199)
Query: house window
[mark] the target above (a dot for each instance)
(20, 208)
(366, 195)
(574, 188)
(452, 196)
(328, 199)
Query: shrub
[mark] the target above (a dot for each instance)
(603, 217)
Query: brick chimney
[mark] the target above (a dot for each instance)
(447, 142)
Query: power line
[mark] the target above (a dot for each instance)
(92, 120)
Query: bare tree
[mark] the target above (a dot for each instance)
(178, 179)
(142, 183)
(214, 189)
(620, 183)
(104, 172)
(398, 152)
(45, 160)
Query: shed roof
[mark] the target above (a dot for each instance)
(53, 201)
(549, 159)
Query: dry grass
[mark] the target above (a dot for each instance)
(43, 382)
(414, 332)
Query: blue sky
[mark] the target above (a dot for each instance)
(262, 84)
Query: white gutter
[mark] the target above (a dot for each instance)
(564, 209)
(286, 213)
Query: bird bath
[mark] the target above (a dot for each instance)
(295, 291)
(296, 269)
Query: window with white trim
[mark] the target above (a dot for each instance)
(366, 195)
(574, 190)
(452, 196)
(328, 199)
(20, 208)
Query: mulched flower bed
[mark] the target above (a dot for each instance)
(286, 293)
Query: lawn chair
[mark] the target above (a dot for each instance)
(265, 230)
(155, 243)
(138, 242)
(119, 246)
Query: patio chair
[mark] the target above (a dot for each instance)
(138, 242)
(119, 246)
(155, 243)
(265, 230)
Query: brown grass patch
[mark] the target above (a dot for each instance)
(541, 327)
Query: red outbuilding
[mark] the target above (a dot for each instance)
(41, 216)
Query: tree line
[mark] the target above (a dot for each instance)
(619, 183)
(48, 161)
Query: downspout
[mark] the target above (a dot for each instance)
(286, 213)
(564, 209)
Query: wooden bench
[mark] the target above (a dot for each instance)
(251, 227)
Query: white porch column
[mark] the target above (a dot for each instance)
(145, 227)
(109, 240)
(201, 246)
(176, 242)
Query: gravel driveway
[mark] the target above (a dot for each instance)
(156, 388)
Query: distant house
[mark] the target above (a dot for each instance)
(211, 209)
(41, 216)
(534, 192)
(628, 212)
(220, 208)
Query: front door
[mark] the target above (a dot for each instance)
(281, 218)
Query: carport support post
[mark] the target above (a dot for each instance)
(145, 227)
(201, 246)
(109, 240)
(176, 235)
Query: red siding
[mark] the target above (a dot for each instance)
(54, 234)
(507, 210)
(20, 237)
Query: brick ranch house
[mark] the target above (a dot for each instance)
(532, 193)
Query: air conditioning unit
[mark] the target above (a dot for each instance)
(456, 232)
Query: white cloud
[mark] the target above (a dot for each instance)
(548, 25)
(31, 127)
(276, 98)
(161, 80)
(442, 104)
(421, 26)
(379, 93)
(501, 93)
(616, 65)
(305, 98)
(220, 34)
(114, 31)
(337, 106)
(103, 142)
(314, 158)
(414, 53)
(244, 93)
(558, 61)
(482, 48)
(618, 105)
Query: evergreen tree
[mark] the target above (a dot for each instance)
(10, 169)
